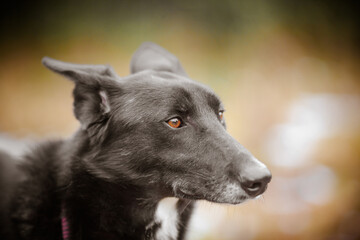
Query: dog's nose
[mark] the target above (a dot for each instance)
(255, 178)
(257, 186)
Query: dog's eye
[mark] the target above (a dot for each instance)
(175, 122)
(221, 115)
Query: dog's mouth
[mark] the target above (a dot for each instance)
(215, 197)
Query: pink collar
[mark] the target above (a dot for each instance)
(64, 225)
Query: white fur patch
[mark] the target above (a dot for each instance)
(167, 215)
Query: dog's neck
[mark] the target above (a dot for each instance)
(125, 209)
(163, 226)
(132, 215)
(132, 211)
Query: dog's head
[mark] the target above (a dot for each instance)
(161, 130)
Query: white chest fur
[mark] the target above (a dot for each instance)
(167, 216)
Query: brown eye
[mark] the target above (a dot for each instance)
(174, 122)
(221, 115)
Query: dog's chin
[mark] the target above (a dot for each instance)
(233, 200)
(179, 193)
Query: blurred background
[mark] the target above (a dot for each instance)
(287, 71)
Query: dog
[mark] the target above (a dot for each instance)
(149, 145)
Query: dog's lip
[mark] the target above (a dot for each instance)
(181, 193)
(237, 201)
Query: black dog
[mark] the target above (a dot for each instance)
(149, 145)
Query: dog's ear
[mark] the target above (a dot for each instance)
(67, 69)
(93, 84)
(151, 56)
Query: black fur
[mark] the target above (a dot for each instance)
(109, 177)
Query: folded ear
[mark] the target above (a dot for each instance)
(67, 69)
(93, 84)
(151, 56)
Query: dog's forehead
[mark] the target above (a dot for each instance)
(162, 91)
(167, 85)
